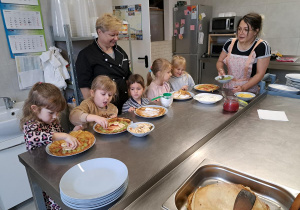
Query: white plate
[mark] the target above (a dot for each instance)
(208, 98)
(293, 77)
(93, 178)
(245, 98)
(49, 153)
(166, 111)
(183, 99)
(134, 125)
(285, 88)
(218, 78)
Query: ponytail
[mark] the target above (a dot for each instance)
(149, 78)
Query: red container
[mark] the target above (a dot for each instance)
(231, 104)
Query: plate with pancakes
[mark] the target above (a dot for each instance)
(151, 111)
(115, 126)
(206, 87)
(182, 95)
(61, 148)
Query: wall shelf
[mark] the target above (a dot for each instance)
(218, 39)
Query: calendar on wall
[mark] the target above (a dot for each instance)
(23, 24)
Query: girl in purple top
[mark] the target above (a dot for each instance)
(161, 69)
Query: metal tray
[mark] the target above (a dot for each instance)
(277, 197)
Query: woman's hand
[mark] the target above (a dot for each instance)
(221, 72)
(185, 87)
(131, 109)
(238, 89)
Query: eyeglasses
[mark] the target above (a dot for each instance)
(244, 29)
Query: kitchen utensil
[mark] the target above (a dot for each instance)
(224, 78)
(165, 95)
(244, 200)
(245, 96)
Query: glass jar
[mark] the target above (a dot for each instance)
(231, 104)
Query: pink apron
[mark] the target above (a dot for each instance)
(240, 67)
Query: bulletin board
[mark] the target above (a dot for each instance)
(133, 15)
(23, 25)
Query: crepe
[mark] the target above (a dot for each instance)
(61, 147)
(220, 196)
(150, 111)
(182, 94)
(115, 125)
(207, 87)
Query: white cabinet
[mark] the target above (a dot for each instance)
(14, 184)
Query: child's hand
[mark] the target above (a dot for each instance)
(95, 118)
(185, 87)
(78, 127)
(113, 115)
(72, 141)
(131, 109)
(101, 121)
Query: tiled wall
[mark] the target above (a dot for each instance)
(281, 25)
(161, 49)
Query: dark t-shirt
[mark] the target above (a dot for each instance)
(262, 50)
(92, 61)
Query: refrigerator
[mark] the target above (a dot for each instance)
(190, 35)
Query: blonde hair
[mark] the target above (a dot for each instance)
(159, 64)
(108, 22)
(105, 83)
(43, 95)
(178, 61)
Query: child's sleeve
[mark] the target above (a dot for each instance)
(125, 107)
(35, 136)
(79, 114)
(191, 82)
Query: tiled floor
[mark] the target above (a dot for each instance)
(26, 205)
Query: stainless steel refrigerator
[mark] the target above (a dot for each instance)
(190, 35)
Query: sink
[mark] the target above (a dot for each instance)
(9, 122)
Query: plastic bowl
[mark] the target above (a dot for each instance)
(134, 125)
(226, 79)
(245, 98)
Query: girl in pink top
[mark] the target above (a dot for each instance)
(161, 69)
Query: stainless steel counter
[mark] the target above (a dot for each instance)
(185, 128)
(265, 149)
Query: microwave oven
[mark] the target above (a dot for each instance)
(224, 24)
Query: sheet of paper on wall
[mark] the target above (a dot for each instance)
(27, 43)
(200, 37)
(29, 71)
(194, 15)
(181, 30)
(203, 15)
(17, 19)
(192, 27)
(27, 2)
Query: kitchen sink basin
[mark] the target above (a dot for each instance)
(9, 122)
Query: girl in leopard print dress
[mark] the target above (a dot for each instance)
(40, 122)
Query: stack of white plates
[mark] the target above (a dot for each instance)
(93, 183)
(283, 89)
(293, 80)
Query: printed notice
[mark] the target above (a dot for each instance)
(18, 19)
(27, 2)
(27, 43)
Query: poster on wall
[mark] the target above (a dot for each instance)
(23, 26)
(133, 15)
